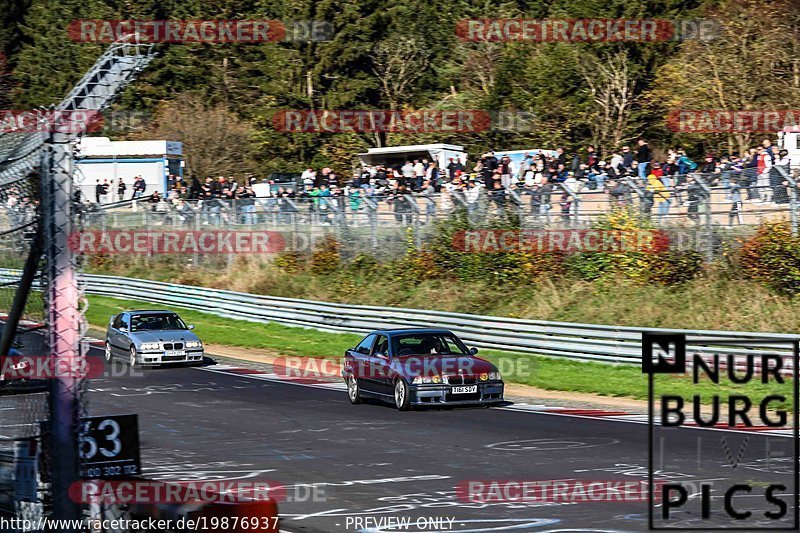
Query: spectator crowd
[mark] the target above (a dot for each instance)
(628, 176)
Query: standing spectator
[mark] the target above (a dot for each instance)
(694, 194)
(247, 203)
(561, 157)
(407, 172)
(121, 188)
(570, 187)
(498, 195)
(308, 176)
(780, 169)
(98, 192)
(505, 171)
(736, 201)
(709, 166)
(472, 196)
(419, 174)
(660, 190)
(451, 167)
(195, 189)
(139, 186)
(627, 158)
(592, 157)
(524, 166)
(616, 162)
(428, 191)
(763, 168)
(643, 158)
(399, 200)
(750, 172)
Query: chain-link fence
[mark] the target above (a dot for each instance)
(42, 309)
(702, 211)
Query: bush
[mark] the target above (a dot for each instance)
(326, 258)
(772, 256)
(291, 262)
(674, 268)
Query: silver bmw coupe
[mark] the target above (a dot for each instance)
(150, 338)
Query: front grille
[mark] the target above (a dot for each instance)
(173, 346)
(462, 380)
(173, 358)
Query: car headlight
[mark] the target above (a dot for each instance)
(495, 376)
(426, 379)
(194, 344)
(149, 346)
(483, 377)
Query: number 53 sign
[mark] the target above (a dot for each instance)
(109, 446)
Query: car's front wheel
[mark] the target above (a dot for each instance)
(353, 392)
(107, 353)
(402, 399)
(132, 360)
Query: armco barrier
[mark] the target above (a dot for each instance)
(591, 342)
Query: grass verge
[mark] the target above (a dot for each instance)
(538, 371)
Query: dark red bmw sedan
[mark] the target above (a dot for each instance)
(414, 367)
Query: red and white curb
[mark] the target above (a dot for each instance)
(596, 414)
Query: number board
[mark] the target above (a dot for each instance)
(109, 446)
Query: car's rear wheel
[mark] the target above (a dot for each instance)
(107, 353)
(353, 392)
(132, 360)
(402, 400)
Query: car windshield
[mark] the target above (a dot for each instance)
(427, 343)
(160, 321)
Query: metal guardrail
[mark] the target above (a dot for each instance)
(587, 342)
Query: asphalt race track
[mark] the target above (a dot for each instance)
(372, 461)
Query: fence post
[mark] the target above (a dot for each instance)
(64, 322)
(709, 230)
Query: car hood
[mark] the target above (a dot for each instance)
(164, 335)
(427, 365)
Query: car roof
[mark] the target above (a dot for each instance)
(404, 331)
(150, 312)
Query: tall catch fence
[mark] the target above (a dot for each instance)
(42, 307)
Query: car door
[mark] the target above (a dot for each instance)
(378, 366)
(119, 335)
(359, 358)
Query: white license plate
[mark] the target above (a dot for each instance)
(173, 353)
(465, 390)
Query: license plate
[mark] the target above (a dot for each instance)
(465, 390)
(175, 353)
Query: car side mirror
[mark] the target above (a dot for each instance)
(381, 355)
(123, 329)
(190, 326)
(473, 351)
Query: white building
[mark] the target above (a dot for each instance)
(396, 156)
(99, 158)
